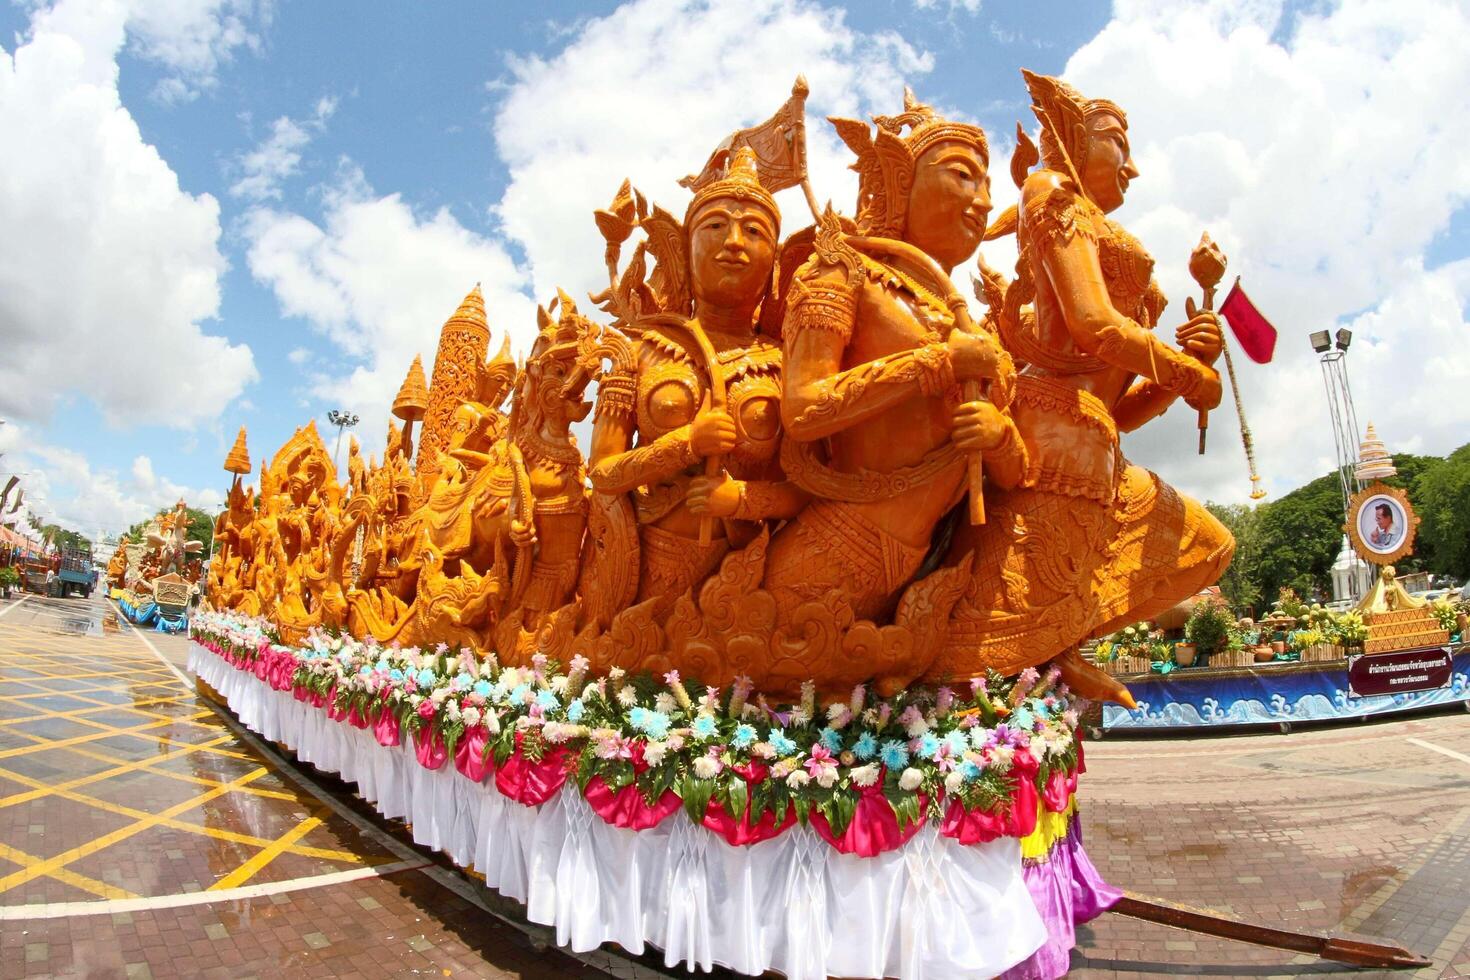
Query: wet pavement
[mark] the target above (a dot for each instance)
(144, 835)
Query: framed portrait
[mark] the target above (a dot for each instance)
(1381, 524)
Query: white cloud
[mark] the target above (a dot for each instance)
(1325, 167)
(110, 266)
(569, 138)
(379, 280)
(953, 6)
(279, 155)
(192, 38)
(298, 356)
(61, 487)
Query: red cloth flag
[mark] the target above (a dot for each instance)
(1256, 335)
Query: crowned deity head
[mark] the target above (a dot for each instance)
(733, 226)
(929, 187)
(1084, 139)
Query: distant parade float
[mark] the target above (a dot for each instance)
(783, 674)
(154, 580)
(1391, 652)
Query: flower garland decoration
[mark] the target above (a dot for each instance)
(923, 750)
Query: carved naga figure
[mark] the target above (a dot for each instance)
(1089, 542)
(690, 426)
(877, 345)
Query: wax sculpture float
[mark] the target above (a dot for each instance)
(153, 580)
(783, 672)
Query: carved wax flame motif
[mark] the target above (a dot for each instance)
(785, 433)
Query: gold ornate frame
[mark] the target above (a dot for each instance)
(1360, 500)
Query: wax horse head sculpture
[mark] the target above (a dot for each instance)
(1086, 542)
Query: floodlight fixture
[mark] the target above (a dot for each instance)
(1321, 341)
(1344, 338)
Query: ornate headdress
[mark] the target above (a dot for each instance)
(886, 159)
(741, 182)
(1061, 109)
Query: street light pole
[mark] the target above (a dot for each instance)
(343, 421)
(1344, 418)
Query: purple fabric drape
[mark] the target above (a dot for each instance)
(1068, 891)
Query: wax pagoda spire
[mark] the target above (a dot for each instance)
(1374, 462)
(463, 344)
(237, 461)
(412, 402)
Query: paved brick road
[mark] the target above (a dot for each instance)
(125, 800)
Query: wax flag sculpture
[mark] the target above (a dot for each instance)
(1256, 334)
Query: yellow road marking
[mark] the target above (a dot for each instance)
(99, 888)
(172, 823)
(42, 788)
(268, 854)
(49, 865)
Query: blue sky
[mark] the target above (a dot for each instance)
(311, 187)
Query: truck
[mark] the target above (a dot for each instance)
(75, 574)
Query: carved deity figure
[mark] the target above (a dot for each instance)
(174, 546)
(1088, 542)
(877, 347)
(356, 469)
(697, 443)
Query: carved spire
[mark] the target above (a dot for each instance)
(1374, 462)
(463, 344)
(238, 459)
(413, 395)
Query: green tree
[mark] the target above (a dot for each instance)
(1441, 496)
(1241, 581)
(1297, 537)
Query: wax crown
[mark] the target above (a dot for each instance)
(1060, 107)
(886, 159)
(741, 182)
(927, 127)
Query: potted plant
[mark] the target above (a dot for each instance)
(1130, 648)
(9, 579)
(1445, 612)
(1304, 642)
(1288, 603)
(1208, 628)
(1352, 632)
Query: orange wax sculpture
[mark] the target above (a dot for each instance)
(809, 462)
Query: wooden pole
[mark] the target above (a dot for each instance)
(1210, 924)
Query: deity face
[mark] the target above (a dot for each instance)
(949, 203)
(732, 248)
(1106, 166)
